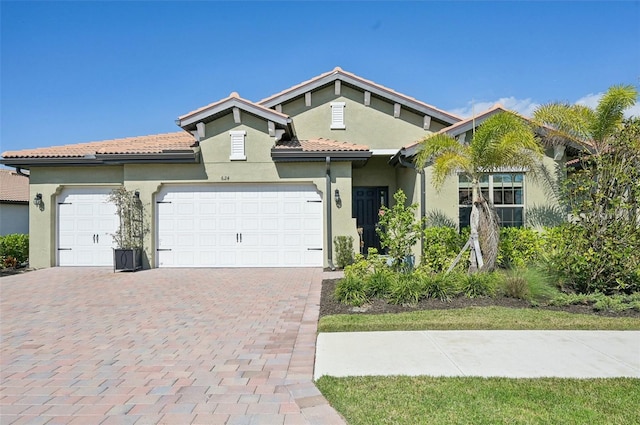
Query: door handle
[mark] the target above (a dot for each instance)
(237, 238)
(240, 237)
(94, 238)
(97, 238)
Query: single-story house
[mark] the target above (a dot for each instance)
(258, 184)
(14, 202)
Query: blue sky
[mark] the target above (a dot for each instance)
(83, 71)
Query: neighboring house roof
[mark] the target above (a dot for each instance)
(210, 112)
(170, 146)
(319, 149)
(457, 128)
(366, 85)
(474, 121)
(14, 188)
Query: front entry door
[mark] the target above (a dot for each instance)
(366, 205)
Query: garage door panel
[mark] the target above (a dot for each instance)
(240, 225)
(86, 223)
(270, 223)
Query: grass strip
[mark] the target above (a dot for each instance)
(428, 400)
(474, 318)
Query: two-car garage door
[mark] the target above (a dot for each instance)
(239, 226)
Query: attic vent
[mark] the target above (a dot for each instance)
(337, 115)
(237, 145)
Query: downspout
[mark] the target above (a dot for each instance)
(423, 197)
(327, 201)
(19, 172)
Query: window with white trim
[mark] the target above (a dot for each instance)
(237, 145)
(504, 190)
(337, 115)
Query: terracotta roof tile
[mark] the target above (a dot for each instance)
(156, 143)
(338, 70)
(13, 187)
(233, 95)
(321, 145)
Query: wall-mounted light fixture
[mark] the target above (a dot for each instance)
(136, 194)
(337, 198)
(37, 201)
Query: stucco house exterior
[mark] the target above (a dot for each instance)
(14, 202)
(264, 183)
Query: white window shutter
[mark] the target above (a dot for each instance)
(337, 115)
(237, 145)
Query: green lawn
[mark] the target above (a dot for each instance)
(427, 400)
(496, 318)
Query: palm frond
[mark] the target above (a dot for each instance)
(562, 120)
(505, 140)
(610, 110)
(449, 163)
(434, 145)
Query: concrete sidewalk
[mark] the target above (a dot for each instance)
(517, 354)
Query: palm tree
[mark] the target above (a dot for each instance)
(504, 140)
(586, 127)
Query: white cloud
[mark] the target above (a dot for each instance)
(524, 107)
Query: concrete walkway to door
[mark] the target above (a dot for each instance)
(162, 346)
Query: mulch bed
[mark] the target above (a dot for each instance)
(329, 306)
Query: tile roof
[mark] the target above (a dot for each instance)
(452, 129)
(339, 71)
(156, 143)
(321, 145)
(233, 95)
(13, 187)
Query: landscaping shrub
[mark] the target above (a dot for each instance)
(519, 247)
(406, 288)
(599, 249)
(570, 257)
(480, 284)
(514, 285)
(399, 231)
(378, 283)
(529, 283)
(14, 249)
(344, 250)
(442, 286)
(441, 246)
(351, 290)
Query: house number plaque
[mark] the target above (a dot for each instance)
(224, 178)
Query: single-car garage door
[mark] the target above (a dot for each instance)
(86, 223)
(239, 226)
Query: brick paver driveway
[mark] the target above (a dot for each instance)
(169, 346)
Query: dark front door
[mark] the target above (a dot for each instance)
(366, 205)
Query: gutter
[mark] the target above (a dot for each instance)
(177, 157)
(327, 200)
(295, 155)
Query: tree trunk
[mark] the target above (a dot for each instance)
(485, 233)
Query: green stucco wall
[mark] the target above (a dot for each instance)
(373, 126)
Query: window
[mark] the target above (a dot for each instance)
(237, 145)
(337, 115)
(505, 190)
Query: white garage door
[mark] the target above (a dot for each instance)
(86, 223)
(239, 226)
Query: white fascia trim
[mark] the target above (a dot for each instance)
(231, 103)
(381, 152)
